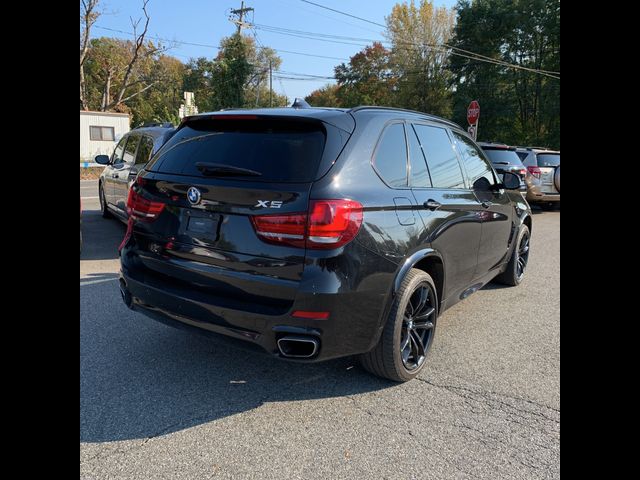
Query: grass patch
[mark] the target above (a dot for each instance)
(90, 173)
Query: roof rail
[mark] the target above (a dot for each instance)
(157, 124)
(430, 116)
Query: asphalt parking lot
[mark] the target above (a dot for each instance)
(157, 402)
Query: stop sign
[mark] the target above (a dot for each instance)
(473, 112)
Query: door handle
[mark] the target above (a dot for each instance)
(431, 204)
(486, 204)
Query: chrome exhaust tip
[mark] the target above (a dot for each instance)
(298, 346)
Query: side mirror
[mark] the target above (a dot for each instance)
(511, 181)
(102, 159)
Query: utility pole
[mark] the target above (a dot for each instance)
(240, 13)
(270, 85)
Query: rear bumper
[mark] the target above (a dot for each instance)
(353, 325)
(537, 196)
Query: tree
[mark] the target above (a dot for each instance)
(326, 96)
(367, 79)
(121, 67)
(518, 106)
(417, 35)
(161, 102)
(231, 72)
(236, 78)
(88, 16)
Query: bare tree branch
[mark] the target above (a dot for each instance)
(138, 44)
(88, 16)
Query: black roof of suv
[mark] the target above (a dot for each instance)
(316, 233)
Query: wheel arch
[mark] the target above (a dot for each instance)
(428, 260)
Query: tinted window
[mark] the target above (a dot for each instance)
(527, 159)
(117, 154)
(548, 160)
(441, 158)
(391, 156)
(502, 157)
(130, 149)
(144, 150)
(478, 169)
(281, 151)
(419, 173)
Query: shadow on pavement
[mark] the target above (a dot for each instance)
(140, 379)
(100, 236)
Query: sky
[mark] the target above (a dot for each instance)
(206, 22)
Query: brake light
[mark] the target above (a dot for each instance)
(535, 171)
(328, 224)
(309, 314)
(139, 208)
(522, 171)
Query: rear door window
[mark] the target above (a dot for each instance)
(442, 160)
(390, 159)
(280, 151)
(419, 177)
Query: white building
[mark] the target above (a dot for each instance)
(99, 133)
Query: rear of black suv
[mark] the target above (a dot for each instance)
(225, 235)
(319, 233)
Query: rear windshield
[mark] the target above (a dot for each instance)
(503, 157)
(548, 159)
(281, 151)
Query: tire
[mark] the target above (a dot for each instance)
(556, 178)
(514, 274)
(388, 359)
(103, 203)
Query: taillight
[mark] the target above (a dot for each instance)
(142, 209)
(535, 171)
(281, 229)
(333, 223)
(328, 224)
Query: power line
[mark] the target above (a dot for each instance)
(323, 37)
(344, 13)
(181, 42)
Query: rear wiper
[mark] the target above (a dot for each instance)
(218, 169)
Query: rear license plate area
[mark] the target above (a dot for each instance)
(203, 226)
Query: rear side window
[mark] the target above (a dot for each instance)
(281, 151)
(419, 177)
(548, 160)
(478, 169)
(441, 157)
(144, 150)
(390, 160)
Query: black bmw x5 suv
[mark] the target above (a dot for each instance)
(317, 233)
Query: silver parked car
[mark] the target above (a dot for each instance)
(543, 175)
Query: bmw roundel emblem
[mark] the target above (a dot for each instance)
(193, 195)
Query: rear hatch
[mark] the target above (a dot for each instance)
(215, 176)
(548, 163)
